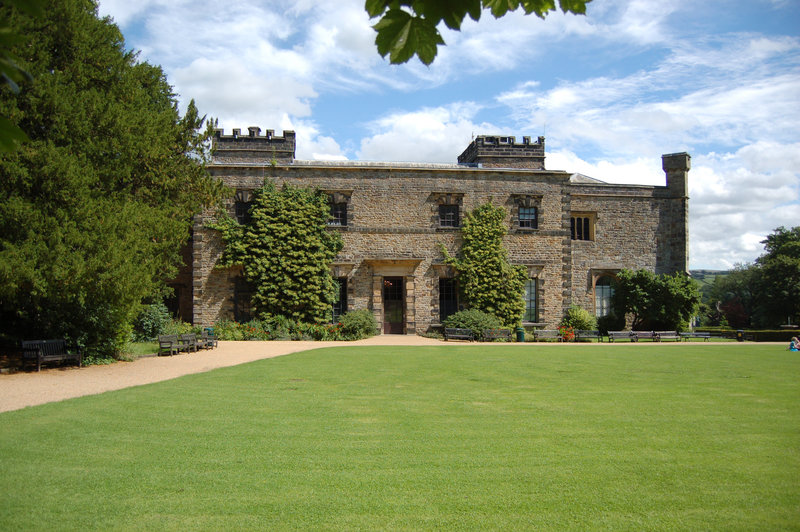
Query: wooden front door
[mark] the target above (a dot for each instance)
(393, 305)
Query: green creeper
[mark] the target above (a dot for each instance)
(487, 280)
(95, 207)
(285, 251)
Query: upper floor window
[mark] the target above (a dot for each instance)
(338, 214)
(581, 227)
(528, 217)
(527, 211)
(446, 208)
(243, 200)
(338, 202)
(448, 216)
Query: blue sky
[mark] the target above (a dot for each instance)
(612, 91)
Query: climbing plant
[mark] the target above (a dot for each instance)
(285, 251)
(487, 280)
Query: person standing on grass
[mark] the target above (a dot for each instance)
(795, 344)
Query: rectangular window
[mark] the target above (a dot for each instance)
(338, 214)
(243, 211)
(528, 217)
(531, 292)
(340, 306)
(581, 228)
(448, 298)
(242, 294)
(448, 216)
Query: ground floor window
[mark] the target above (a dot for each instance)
(603, 291)
(531, 307)
(340, 306)
(242, 294)
(448, 297)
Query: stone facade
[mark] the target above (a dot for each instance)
(567, 229)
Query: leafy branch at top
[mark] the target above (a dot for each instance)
(409, 27)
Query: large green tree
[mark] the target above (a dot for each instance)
(95, 207)
(285, 251)
(409, 27)
(777, 278)
(487, 280)
(655, 302)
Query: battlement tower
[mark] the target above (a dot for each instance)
(253, 148)
(491, 151)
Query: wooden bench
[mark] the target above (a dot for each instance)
(685, 336)
(187, 342)
(621, 335)
(546, 334)
(168, 344)
(207, 339)
(643, 335)
(582, 334)
(667, 335)
(49, 351)
(490, 335)
(455, 333)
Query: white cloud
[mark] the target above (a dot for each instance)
(429, 135)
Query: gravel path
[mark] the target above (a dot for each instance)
(19, 390)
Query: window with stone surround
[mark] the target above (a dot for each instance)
(447, 209)
(527, 211)
(242, 202)
(531, 301)
(339, 201)
(581, 226)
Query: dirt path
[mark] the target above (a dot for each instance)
(19, 390)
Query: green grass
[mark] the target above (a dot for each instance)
(137, 349)
(673, 437)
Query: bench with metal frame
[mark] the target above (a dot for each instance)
(49, 351)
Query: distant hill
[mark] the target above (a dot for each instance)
(706, 277)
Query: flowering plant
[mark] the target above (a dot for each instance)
(566, 333)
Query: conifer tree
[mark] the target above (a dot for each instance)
(95, 208)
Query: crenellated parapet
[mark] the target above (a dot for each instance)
(491, 151)
(252, 147)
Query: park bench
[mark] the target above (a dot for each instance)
(490, 335)
(686, 336)
(187, 342)
(667, 335)
(168, 344)
(207, 339)
(49, 351)
(582, 334)
(455, 333)
(621, 335)
(546, 334)
(643, 335)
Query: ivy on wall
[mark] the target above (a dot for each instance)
(487, 280)
(285, 251)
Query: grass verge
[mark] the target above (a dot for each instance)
(674, 437)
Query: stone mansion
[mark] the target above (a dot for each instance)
(571, 232)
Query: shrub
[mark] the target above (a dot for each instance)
(475, 320)
(610, 322)
(579, 319)
(150, 322)
(174, 326)
(358, 324)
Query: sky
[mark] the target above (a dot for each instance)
(611, 91)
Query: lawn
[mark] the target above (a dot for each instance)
(672, 437)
